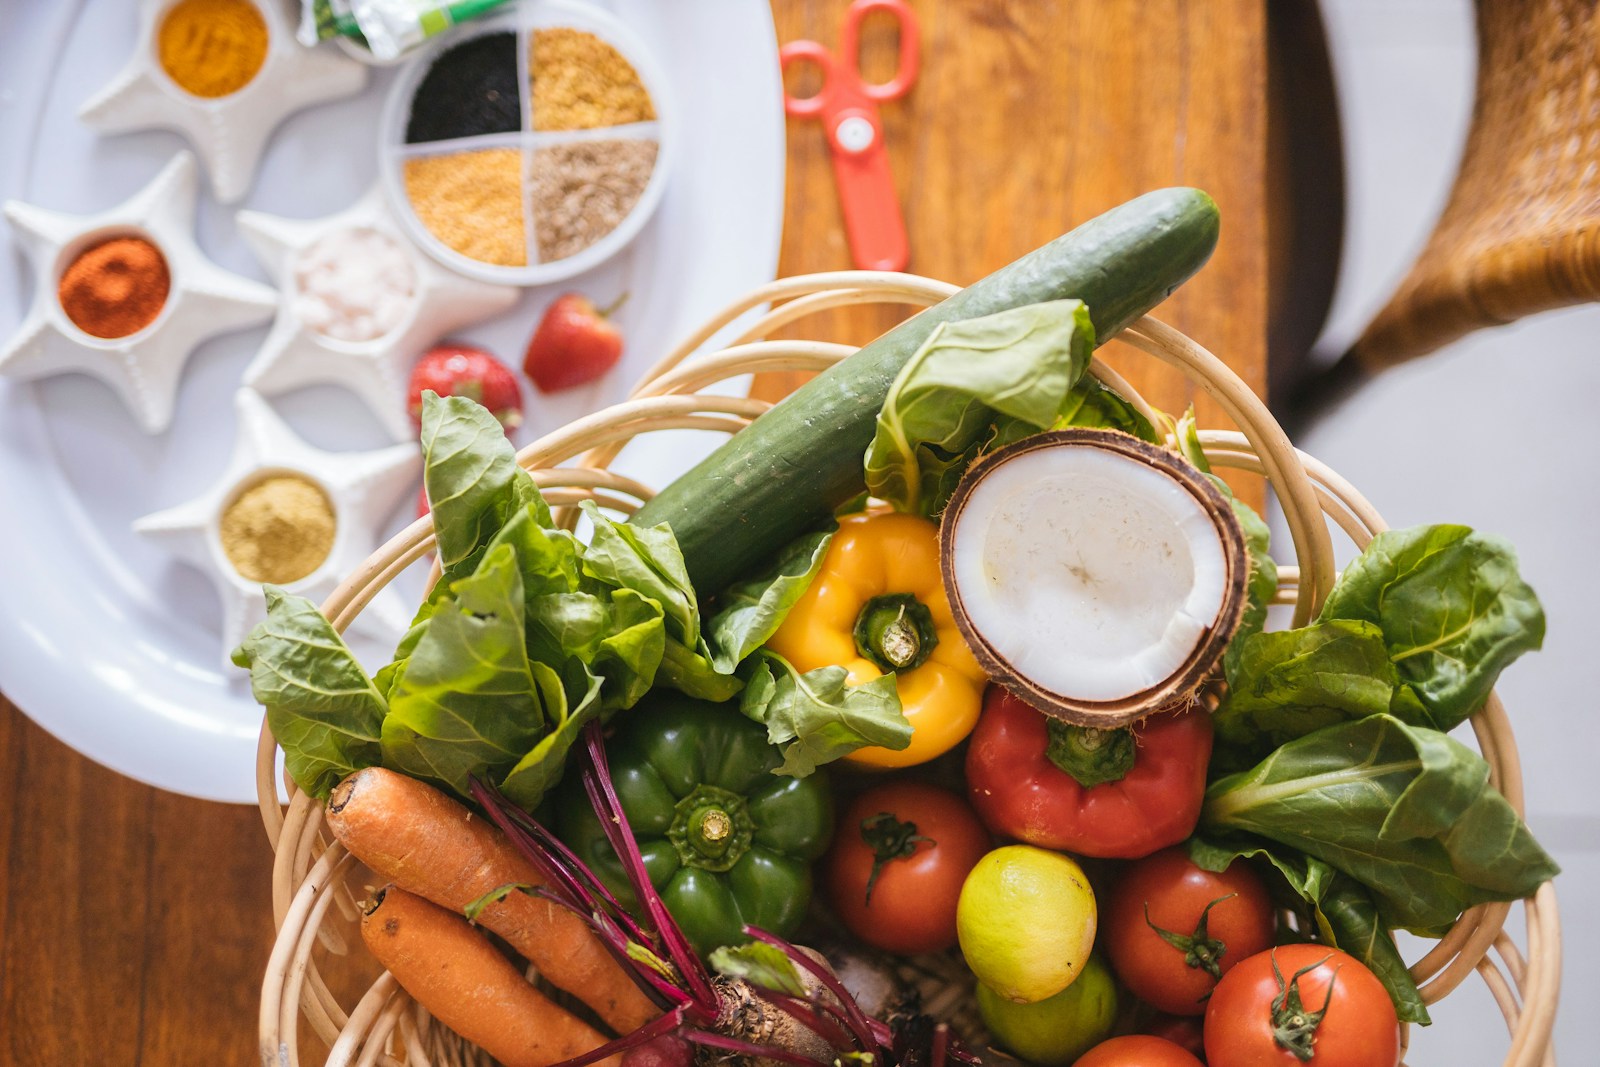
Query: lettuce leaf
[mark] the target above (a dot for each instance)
(321, 706)
(752, 611)
(1017, 365)
(1092, 404)
(815, 717)
(470, 701)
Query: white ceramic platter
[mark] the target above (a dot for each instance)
(107, 643)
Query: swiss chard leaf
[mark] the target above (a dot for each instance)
(469, 701)
(1017, 364)
(1341, 909)
(1453, 610)
(752, 611)
(815, 717)
(1289, 683)
(1406, 811)
(324, 711)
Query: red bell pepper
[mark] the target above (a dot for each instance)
(1118, 794)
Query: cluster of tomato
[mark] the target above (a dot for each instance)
(1196, 948)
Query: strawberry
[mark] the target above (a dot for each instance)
(575, 343)
(461, 370)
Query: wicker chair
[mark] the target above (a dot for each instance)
(1521, 230)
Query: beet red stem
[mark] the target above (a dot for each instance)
(859, 1026)
(603, 795)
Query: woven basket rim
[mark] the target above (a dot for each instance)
(310, 871)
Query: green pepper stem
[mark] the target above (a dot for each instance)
(711, 828)
(895, 631)
(1090, 755)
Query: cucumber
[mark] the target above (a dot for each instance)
(793, 466)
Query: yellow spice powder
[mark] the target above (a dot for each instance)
(211, 48)
(581, 82)
(279, 529)
(472, 202)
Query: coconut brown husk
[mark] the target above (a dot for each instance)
(1182, 687)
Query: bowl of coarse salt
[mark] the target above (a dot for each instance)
(530, 146)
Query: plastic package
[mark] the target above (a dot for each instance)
(389, 27)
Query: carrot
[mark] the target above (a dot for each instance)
(453, 971)
(426, 843)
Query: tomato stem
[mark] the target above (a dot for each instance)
(1199, 949)
(889, 839)
(1294, 1027)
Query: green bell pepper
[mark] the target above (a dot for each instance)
(725, 841)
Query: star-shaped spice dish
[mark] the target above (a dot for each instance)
(288, 514)
(126, 295)
(224, 74)
(358, 304)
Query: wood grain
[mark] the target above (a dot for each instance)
(1028, 119)
(134, 925)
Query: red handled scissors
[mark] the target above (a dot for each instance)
(847, 104)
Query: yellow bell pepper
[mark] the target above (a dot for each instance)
(878, 604)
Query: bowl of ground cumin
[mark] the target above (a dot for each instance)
(530, 146)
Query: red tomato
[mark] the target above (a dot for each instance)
(915, 844)
(1268, 991)
(1173, 893)
(1137, 1050)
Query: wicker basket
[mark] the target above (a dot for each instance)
(313, 875)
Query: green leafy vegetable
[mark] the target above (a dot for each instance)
(752, 611)
(1340, 908)
(647, 560)
(321, 706)
(539, 770)
(1453, 610)
(1094, 405)
(1262, 584)
(815, 717)
(760, 964)
(1289, 683)
(1406, 811)
(469, 700)
(1017, 365)
(473, 481)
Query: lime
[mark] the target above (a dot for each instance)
(1055, 1031)
(1026, 922)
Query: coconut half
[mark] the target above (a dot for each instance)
(1095, 575)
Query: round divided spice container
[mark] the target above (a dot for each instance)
(529, 146)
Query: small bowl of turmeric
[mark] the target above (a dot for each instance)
(529, 147)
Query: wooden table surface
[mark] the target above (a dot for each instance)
(135, 924)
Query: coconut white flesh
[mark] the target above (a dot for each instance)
(1092, 574)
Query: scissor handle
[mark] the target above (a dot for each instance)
(808, 52)
(910, 61)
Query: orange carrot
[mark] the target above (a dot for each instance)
(426, 843)
(453, 971)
